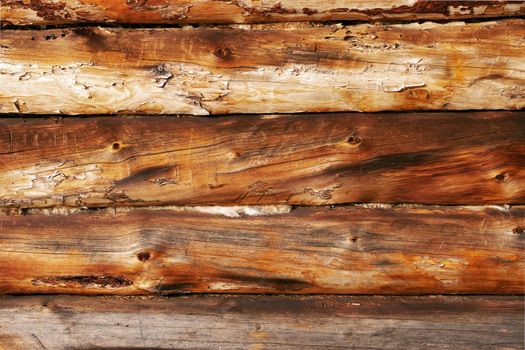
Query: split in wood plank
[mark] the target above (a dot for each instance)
(39, 12)
(310, 159)
(345, 250)
(278, 68)
(262, 322)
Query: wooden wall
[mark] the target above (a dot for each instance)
(345, 174)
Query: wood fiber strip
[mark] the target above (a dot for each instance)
(38, 12)
(310, 159)
(262, 322)
(344, 250)
(278, 68)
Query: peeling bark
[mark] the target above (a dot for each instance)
(38, 12)
(264, 69)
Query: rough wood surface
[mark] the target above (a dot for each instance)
(437, 158)
(358, 249)
(248, 322)
(24, 12)
(264, 68)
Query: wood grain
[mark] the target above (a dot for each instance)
(311, 159)
(264, 68)
(350, 322)
(38, 12)
(344, 250)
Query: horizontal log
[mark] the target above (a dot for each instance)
(437, 158)
(262, 322)
(264, 69)
(42, 12)
(344, 250)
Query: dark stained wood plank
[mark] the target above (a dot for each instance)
(262, 322)
(437, 158)
(344, 250)
(40, 12)
(277, 68)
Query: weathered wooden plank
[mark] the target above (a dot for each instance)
(264, 69)
(24, 12)
(358, 249)
(438, 158)
(262, 322)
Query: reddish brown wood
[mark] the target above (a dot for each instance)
(25, 12)
(274, 68)
(361, 249)
(312, 159)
